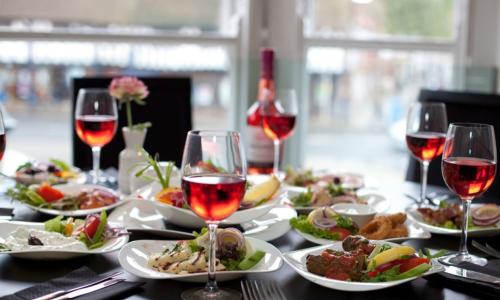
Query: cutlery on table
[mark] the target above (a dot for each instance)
(90, 284)
(260, 290)
(468, 274)
(486, 249)
(90, 289)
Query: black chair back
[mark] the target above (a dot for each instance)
(168, 108)
(460, 107)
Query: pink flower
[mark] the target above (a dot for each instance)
(127, 89)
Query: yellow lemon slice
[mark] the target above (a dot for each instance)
(261, 192)
(389, 255)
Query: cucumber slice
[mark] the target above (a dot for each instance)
(250, 261)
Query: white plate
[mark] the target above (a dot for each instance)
(351, 180)
(140, 216)
(415, 232)
(7, 227)
(297, 260)
(70, 188)
(376, 201)
(270, 226)
(415, 216)
(187, 218)
(80, 178)
(134, 259)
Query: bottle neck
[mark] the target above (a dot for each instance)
(266, 89)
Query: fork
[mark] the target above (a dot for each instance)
(259, 290)
(486, 249)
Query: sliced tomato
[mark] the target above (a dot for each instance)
(342, 232)
(48, 193)
(91, 226)
(387, 266)
(412, 263)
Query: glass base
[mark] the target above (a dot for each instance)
(103, 179)
(456, 259)
(201, 294)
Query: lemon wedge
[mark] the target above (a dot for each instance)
(261, 192)
(389, 255)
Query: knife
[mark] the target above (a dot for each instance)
(468, 274)
(61, 292)
(90, 289)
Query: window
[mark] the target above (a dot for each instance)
(366, 62)
(59, 40)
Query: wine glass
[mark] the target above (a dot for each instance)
(425, 135)
(278, 120)
(95, 122)
(469, 166)
(213, 181)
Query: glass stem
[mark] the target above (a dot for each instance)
(96, 159)
(211, 286)
(276, 164)
(462, 251)
(424, 168)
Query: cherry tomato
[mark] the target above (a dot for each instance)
(91, 226)
(341, 232)
(412, 263)
(48, 193)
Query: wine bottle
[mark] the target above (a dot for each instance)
(260, 147)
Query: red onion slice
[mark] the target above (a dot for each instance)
(324, 223)
(486, 213)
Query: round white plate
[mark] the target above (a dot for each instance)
(377, 201)
(351, 180)
(416, 217)
(297, 260)
(415, 232)
(7, 227)
(187, 218)
(80, 178)
(134, 259)
(75, 189)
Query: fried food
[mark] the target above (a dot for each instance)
(399, 231)
(385, 227)
(397, 219)
(376, 229)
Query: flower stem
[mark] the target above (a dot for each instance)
(129, 114)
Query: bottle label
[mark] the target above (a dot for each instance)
(260, 147)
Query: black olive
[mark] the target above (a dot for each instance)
(34, 241)
(336, 180)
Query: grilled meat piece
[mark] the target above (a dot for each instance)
(338, 265)
(439, 216)
(357, 242)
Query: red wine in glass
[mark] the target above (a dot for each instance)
(468, 176)
(2, 145)
(214, 197)
(426, 145)
(95, 130)
(278, 126)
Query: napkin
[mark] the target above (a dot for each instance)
(474, 287)
(75, 278)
